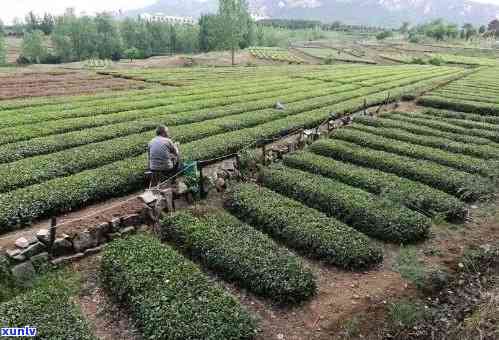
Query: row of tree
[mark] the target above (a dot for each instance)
(73, 38)
(440, 30)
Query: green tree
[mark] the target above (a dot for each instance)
(404, 29)
(469, 31)
(108, 37)
(135, 33)
(249, 36)
(132, 53)
(187, 38)
(3, 50)
(47, 24)
(383, 35)
(482, 29)
(2, 28)
(452, 31)
(209, 32)
(33, 47)
(234, 23)
(61, 41)
(494, 27)
(160, 37)
(17, 27)
(32, 22)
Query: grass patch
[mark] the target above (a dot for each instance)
(410, 267)
(405, 314)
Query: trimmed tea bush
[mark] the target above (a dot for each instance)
(168, 296)
(49, 308)
(302, 228)
(241, 254)
(469, 164)
(452, 181)
(423, 130)
(447, 127)
(383, 219)
(462, 115)
(460, 105)
(414, 195)
(481, 151)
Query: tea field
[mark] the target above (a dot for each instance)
(384, 179)
(64, 153)
(275, 54)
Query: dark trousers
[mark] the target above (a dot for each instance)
(159, 176)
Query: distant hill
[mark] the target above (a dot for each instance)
(368, 12)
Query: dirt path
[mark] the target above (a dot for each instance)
(108, 320)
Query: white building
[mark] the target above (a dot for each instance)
(160, 17)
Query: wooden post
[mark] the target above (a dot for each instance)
(52, 232)
(264, 154)
(238, 161)
(202, 192)
(365, 106)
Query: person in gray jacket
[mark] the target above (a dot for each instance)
(163, 155)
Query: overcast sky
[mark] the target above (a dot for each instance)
(10, 9)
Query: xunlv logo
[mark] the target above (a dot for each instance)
(19, 331)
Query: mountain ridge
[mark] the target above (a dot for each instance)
(367, 12)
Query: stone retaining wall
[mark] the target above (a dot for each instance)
(32, 253)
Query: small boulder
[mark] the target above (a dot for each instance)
(82, 241)
(128, 231)
(131, 220)
(34, 249)
(99, 235)
(115, 224)
(62, 246)
(220, 184)
(148, 197)
(67, 259)
(22, 243)
(92, 251)
(13, 252)
(182, 188)
(113, 236)
(24, 272)
(43, 235)
(228, 165)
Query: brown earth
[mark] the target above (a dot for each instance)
(342, 295)
(38, 84)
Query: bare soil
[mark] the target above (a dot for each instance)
(38, 84)
(108, 320)
(342, 295)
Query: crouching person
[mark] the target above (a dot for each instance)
(163, 156)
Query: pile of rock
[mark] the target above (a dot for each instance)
(29, 254)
